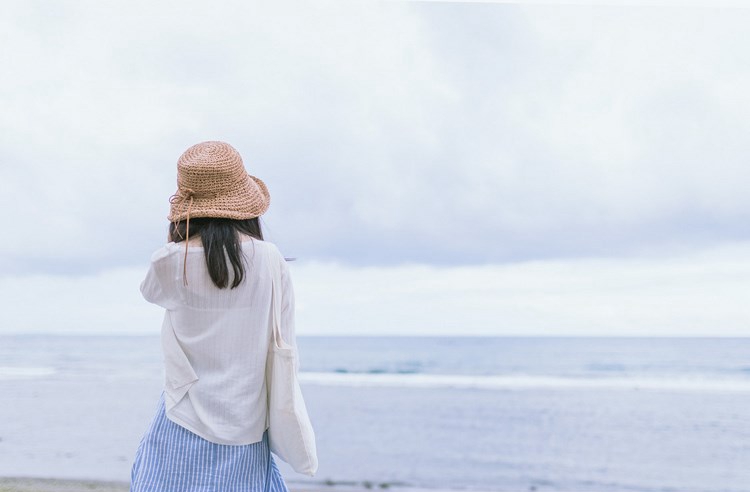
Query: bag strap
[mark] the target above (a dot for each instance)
(275, 271)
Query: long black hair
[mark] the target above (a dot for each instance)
(221, 239)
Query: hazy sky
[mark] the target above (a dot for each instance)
(511, 168)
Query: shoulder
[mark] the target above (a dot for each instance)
(163, 252)
(274, 255)
(267, 247)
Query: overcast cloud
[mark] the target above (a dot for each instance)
(391, 134)
(388, 132)
(697, 294)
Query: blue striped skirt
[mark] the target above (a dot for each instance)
(170, 458)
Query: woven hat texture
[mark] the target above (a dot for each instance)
(212, 182)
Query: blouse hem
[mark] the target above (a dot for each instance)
(211, 438)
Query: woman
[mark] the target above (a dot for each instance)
(212, 278)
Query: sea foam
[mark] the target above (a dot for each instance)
(510, 382)
(11, 373)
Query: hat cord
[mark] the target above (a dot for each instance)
(181, 196)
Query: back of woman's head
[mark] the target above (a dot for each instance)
(221, 240)
(219, 200)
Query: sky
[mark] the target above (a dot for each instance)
(436, 167)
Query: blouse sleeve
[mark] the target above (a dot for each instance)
(153, 287)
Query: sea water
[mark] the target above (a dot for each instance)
(501, 414)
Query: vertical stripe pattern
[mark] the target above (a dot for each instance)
(170, 458)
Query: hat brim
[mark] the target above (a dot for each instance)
(248, 200)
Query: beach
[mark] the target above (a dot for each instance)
(13, 484)
(16, 484)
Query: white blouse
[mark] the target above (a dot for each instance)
(215, 341)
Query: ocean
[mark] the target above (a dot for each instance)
(491, 414)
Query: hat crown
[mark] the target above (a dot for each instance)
(210, 167)
(212, 182)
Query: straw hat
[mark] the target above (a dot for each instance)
(212, 182)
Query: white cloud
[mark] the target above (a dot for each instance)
(388, 132)
(701, 293)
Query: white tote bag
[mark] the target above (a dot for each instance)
(290, 432)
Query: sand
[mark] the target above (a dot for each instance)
(56, 485)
